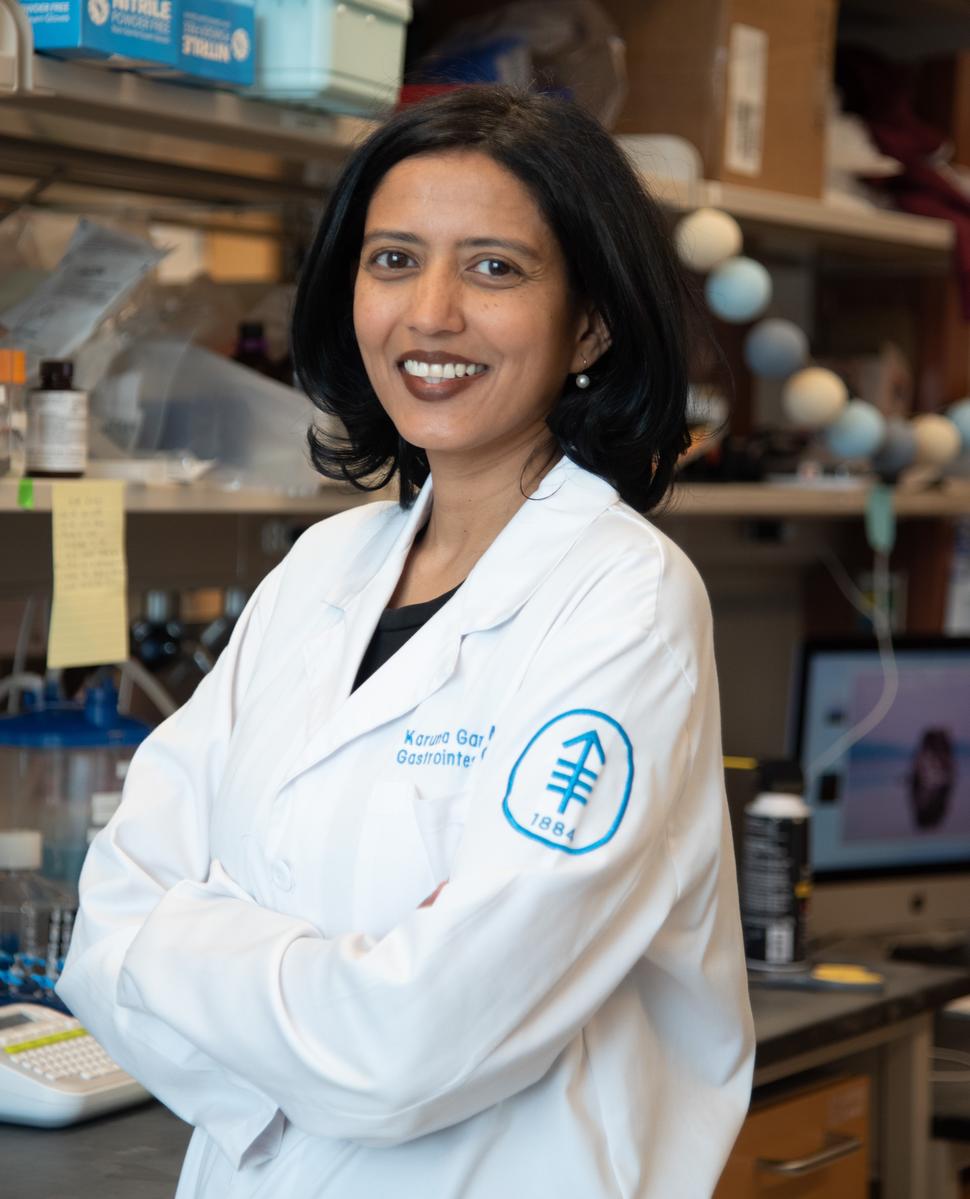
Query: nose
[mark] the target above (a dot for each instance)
(435, 302)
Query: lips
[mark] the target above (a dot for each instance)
(438, 374)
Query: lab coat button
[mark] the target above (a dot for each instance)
(282, 875)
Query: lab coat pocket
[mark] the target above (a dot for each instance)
(405, 850)
(441, 822)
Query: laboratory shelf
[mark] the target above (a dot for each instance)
(802, 220)
(770, 501)
(815, 221)
(200, 498)
(709, 500)
(74, 122)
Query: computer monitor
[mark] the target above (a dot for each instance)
(890, 826)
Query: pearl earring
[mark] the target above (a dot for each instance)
(582, 379)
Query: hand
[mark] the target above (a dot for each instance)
(433, 896)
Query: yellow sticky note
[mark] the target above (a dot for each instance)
(89, 617)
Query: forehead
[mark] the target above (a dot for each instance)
(460, 192)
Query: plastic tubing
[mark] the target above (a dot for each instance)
(21, 681)
(134, 670)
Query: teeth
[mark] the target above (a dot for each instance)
(435, 371)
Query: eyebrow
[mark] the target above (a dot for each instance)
(470, 243)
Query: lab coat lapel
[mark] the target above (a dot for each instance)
(332, 657)
(534, 541)
(416, 671)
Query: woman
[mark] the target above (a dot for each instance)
(428, 891)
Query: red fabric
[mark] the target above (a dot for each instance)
(882, 93)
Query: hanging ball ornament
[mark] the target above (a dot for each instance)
(898, 449)
(775, 348)
(937, 439)
(814, 397)
(959, 413)
(739, 290)
(706, 238)
(858, 432)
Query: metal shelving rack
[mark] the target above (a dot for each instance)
(107, 128)
(71, 130)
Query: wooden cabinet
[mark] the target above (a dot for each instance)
(812, 1145)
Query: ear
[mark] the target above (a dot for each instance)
(593, 340)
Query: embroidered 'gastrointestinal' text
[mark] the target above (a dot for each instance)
(443, 747)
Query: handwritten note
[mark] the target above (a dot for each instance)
(89, 618)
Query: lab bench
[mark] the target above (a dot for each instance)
(800, 1034)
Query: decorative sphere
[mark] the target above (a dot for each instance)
(937, 439)
(775, 348)
(858, 432)
(898, 449)
(738, 290)
(959, 413)
(706, 238)
(814, 397)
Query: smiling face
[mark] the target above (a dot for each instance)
(462, 308)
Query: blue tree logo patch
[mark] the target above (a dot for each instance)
(571, 784)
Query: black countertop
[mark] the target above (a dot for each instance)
(789, 1023)
(134, 1154)
(137, 1154)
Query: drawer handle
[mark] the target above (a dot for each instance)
(836, 1147)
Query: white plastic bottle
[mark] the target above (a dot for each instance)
(57, 424)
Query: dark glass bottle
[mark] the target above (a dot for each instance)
(57, 424)
(252, 349)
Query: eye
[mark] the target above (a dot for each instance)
(393, 260)
(494, 268)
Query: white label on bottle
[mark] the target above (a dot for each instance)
(779, 942)
(57, 431)
(746, 99)
(104, 804)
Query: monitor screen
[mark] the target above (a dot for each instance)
(898, 800)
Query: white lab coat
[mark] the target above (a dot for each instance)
(570, 1018)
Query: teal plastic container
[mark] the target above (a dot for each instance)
(345, 57)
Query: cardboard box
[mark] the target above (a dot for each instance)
(745, 81)
(217, 41)
(115, 32)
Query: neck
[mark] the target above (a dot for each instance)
(474, 500)
(475, 497)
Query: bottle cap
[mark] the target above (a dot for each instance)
(21, 849)
(13, 366)
(779, 805)
(56, 375)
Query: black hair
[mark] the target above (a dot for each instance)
(629, 425)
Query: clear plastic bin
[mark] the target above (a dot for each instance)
(345, 57)
(62, 768)
(166, 396)
(36, 915)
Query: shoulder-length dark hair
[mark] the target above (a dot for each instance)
(629, 425)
